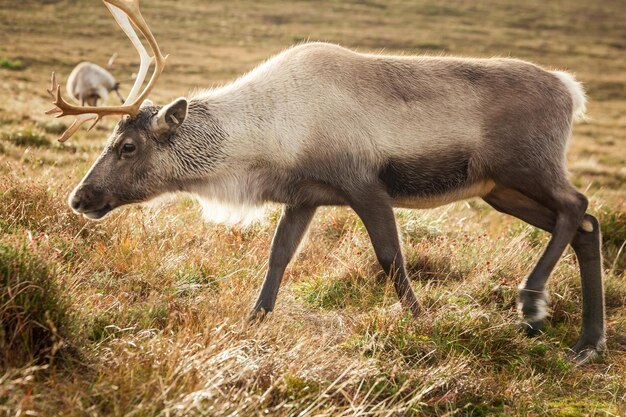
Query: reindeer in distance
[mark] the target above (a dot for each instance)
(89, 82)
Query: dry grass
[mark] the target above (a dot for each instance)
(145, 313)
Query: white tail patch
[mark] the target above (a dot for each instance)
(577, 92)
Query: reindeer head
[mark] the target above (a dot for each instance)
(140, 161)
(125, 171)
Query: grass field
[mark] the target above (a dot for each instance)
(144, 314)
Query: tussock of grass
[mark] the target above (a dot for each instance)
(35, 207)
(33, 312)
(22, 206)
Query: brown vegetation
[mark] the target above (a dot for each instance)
(145, 313)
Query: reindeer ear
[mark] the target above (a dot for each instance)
(170, 117)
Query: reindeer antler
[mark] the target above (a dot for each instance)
(124, 12)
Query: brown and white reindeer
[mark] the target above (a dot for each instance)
(321, 125)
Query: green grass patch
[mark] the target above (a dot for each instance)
(384, 337)
(100, 329)
(54, 128)
(296, 388)
(103, 326)
(290, 388)
(26, 137)
(338, 293)
(575, 407)
(193, 278)
(11, 64)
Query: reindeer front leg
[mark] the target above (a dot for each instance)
(372, 204)
(291, 228)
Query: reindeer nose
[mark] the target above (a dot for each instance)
(84, 198)
(75, 201)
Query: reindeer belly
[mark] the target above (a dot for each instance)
(477, 189)
(432, 180)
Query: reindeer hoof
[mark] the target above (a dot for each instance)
(258, 315)
(584, 352)
(533, 307)
(585, 356)
(532, 328)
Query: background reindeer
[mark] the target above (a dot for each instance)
(89, 83)
(322, 125)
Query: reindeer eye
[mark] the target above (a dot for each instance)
(129, 148)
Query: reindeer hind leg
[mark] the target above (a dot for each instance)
(586, 244)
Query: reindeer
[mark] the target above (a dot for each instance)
(89, 83)
(320, 125)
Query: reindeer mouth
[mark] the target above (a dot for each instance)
(98, 214)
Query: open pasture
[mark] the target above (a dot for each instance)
(145, 313)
